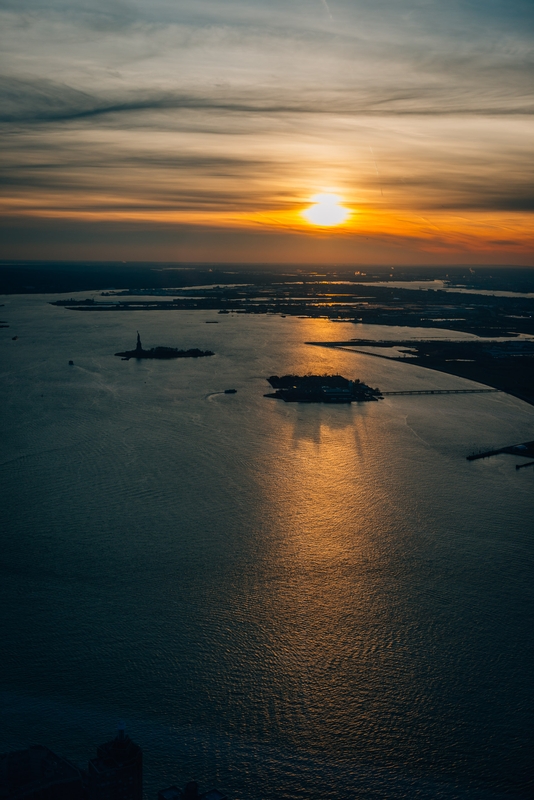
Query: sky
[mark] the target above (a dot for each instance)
(197, 130)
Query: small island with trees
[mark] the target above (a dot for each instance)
(162, 352)
(321, 389)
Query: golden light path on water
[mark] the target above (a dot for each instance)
(334, 552)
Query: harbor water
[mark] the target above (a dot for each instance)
(281, 600)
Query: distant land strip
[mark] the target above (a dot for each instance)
(505, 366)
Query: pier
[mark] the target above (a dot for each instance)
(442, 391)
(526, 449)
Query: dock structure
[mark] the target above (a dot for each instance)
(443, 391)
(526, 450)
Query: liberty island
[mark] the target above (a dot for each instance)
(162, 352)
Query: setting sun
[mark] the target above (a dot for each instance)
(326, 210)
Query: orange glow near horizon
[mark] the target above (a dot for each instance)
(428, 231)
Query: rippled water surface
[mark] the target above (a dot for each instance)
(282, 600)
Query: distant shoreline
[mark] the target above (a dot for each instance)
(499, 373)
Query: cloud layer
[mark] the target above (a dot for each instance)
(186, 113)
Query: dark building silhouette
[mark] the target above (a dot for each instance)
(115, 774)
(39, 774)
(117, 771)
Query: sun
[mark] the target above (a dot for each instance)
(326, 210)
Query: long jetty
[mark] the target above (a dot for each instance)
(442, 391)
(526, 449)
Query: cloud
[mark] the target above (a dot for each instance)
(254, 106)
(98, 15)
(44, 101)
